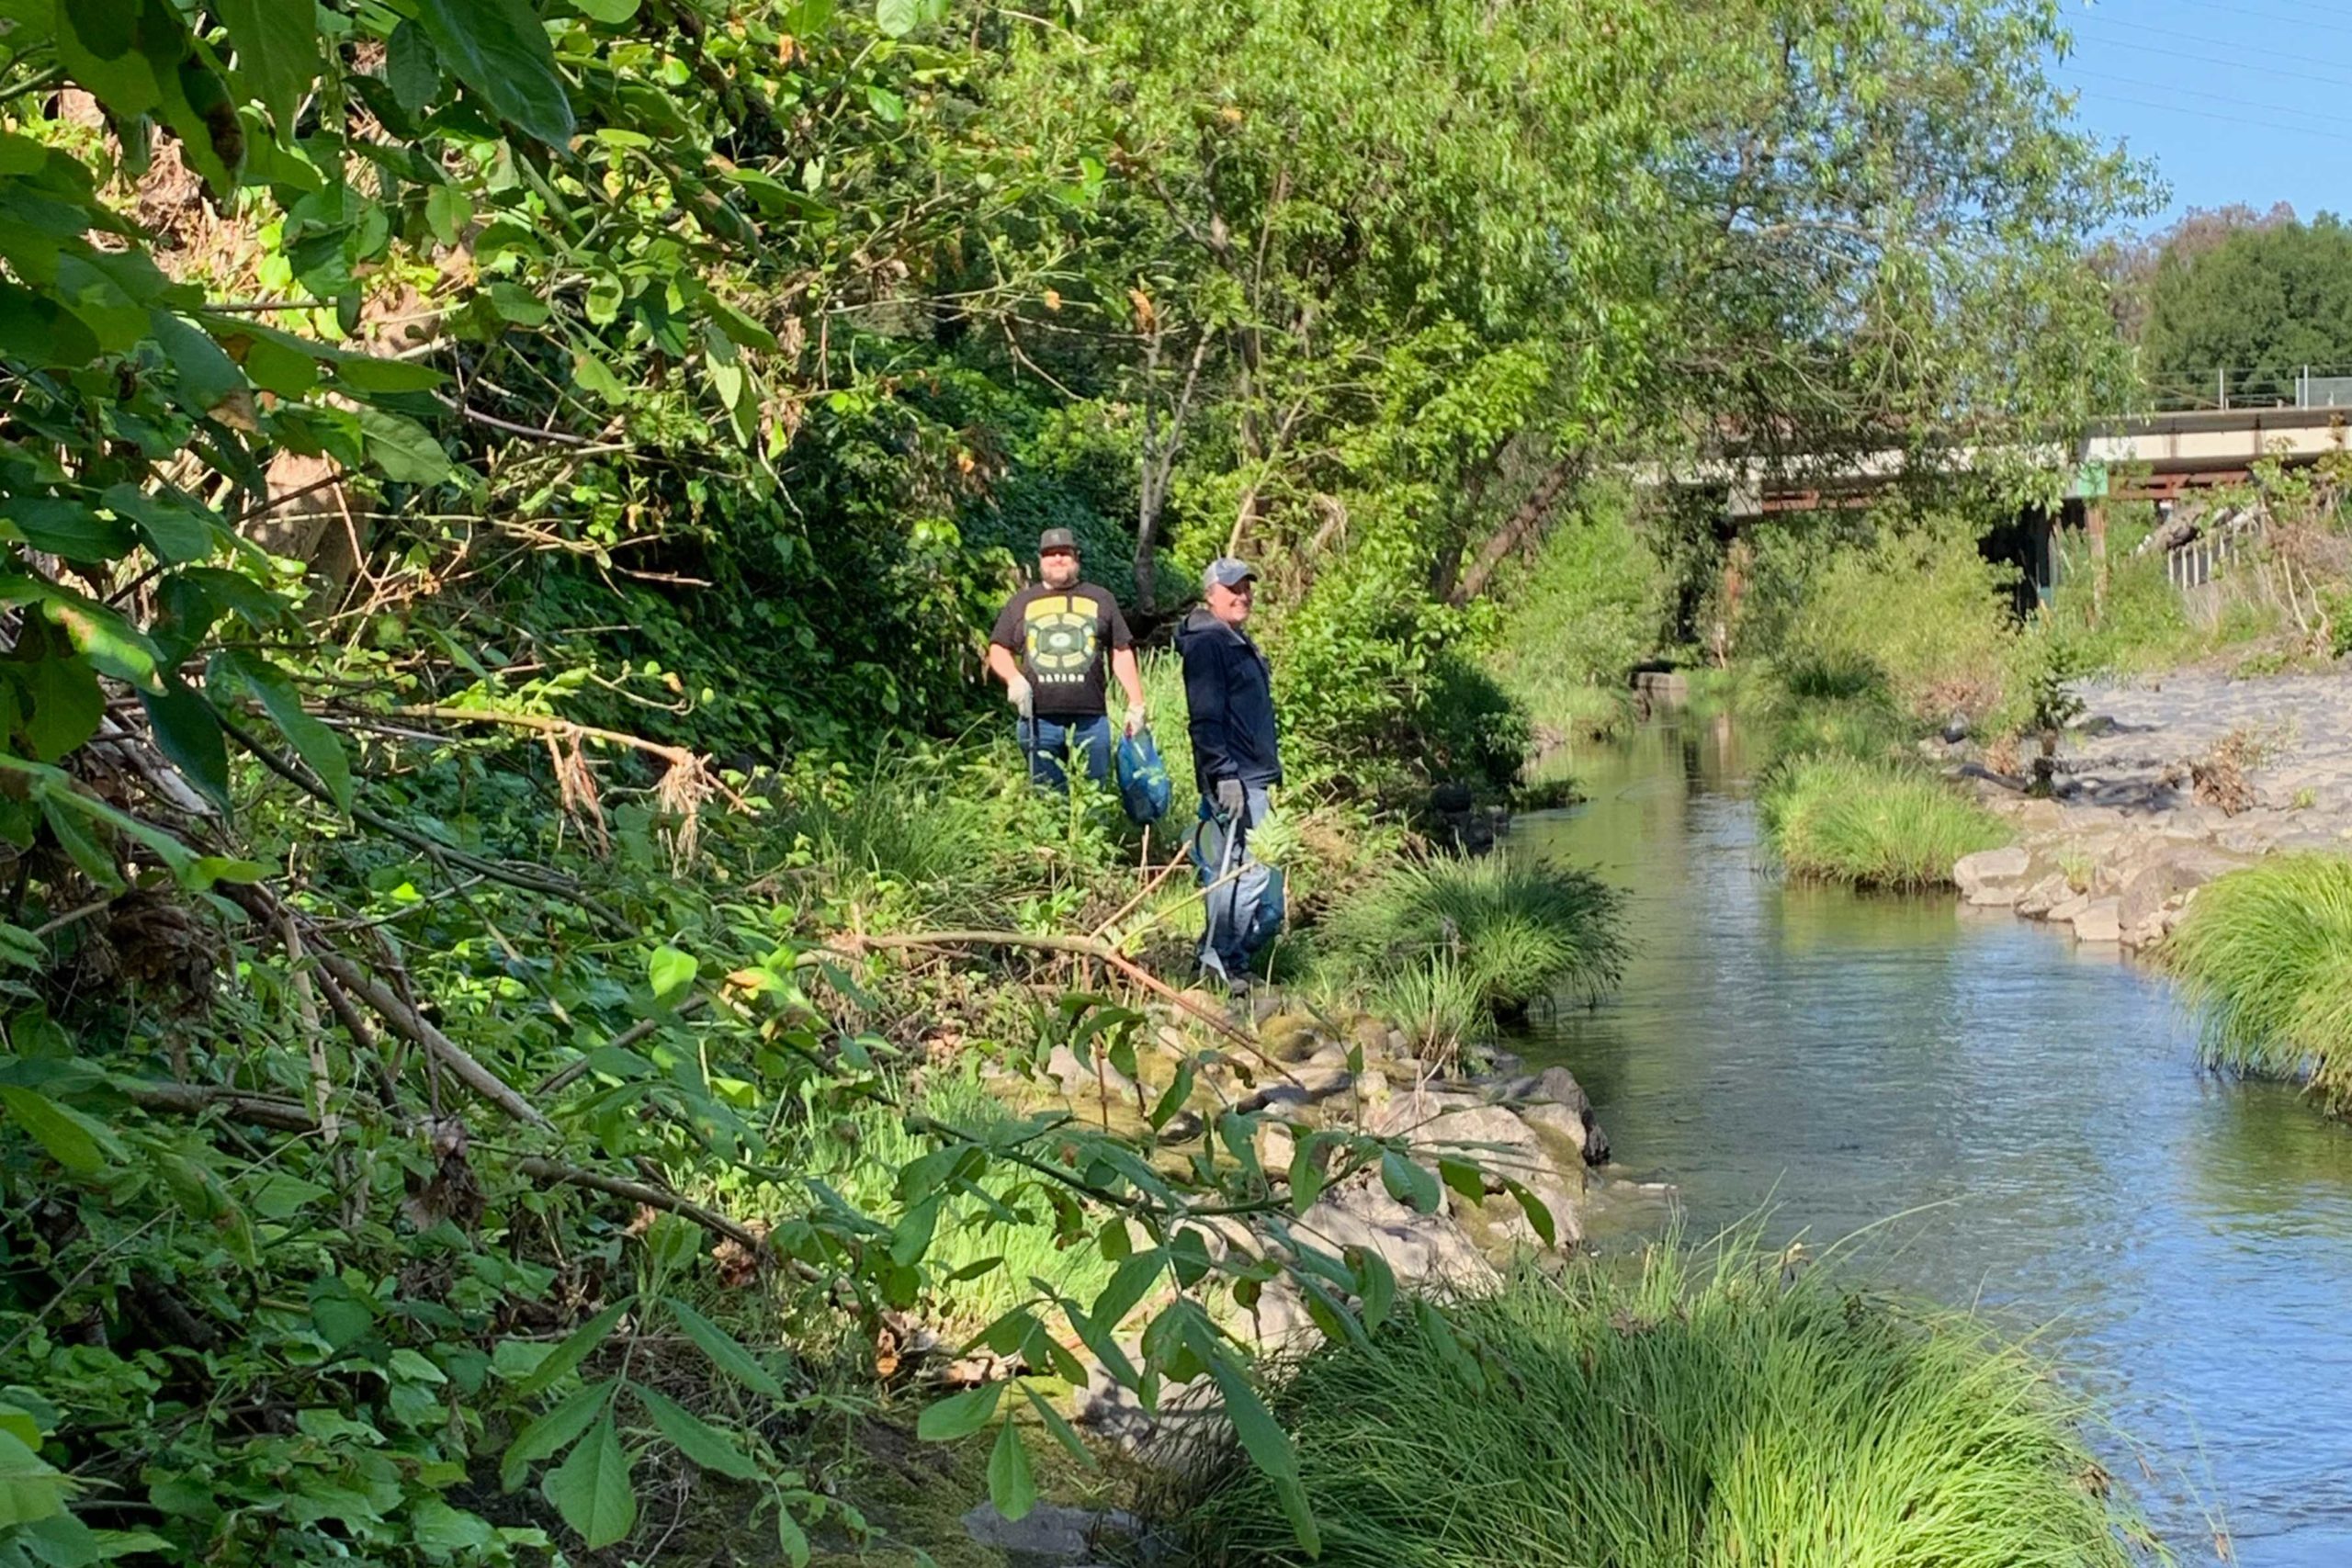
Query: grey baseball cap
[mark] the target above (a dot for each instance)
(1057, 539)
(1227, 572)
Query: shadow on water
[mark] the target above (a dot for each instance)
(2033, 1111)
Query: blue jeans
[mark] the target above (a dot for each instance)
(1244, 909)
(1048, 743)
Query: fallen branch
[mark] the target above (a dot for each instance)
(653, 1197)
(1086, 947)
(423, 844)
(418, 1029)
(564, 728)
(564, 1076)
(1154, 886)
(292, 1116)
(195, 1100)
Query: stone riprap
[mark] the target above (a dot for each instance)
(1531, 1132)
(2124, 845)
(2132, 746)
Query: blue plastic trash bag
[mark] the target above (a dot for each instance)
(1144, 788)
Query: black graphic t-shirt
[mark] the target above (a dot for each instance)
(1061, 636)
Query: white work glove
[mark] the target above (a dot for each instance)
(1134, 719)
(1229, 799)
(1023, 700)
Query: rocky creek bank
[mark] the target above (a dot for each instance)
(1526, 1131)
(2163, 786)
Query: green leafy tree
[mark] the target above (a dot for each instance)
(2252, 310)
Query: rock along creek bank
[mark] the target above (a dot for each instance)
(2164, 785)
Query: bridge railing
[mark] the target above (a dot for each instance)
(2252, 387)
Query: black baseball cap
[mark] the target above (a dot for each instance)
(1057, 539)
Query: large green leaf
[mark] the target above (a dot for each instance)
(591, 1488)
(1411, 1183)
(66, 528)
(1134, 1280)
(82, 1146)
(446, 1531)
(1262, 1438)
(1012, 1486)
(74, 838)
(959, 1415)
(30, 1488)
(62, 691)
(696, 1438)
(189, 733)
(670, 971)
(403, 448)
(500, 49)
(104, 638)
(725, 1351)
(317, 745)
(363, 374)
(574, 1349)
(896, 18)
(545, 1437)
(110, 47)
(277, 51)
(412, 71)
(210, 382)
(175, 532)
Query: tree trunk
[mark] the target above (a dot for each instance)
(1530, 515)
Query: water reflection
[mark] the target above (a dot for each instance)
(2035, 1113)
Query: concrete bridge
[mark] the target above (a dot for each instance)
(2157, 456)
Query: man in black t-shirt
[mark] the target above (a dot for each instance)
(1050, 646)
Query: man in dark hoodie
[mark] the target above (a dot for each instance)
(1229, 689)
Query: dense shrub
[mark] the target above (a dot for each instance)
(1687, 1418)
(1593, 605)
(2266, 955)
(1920, 605)
(1380, 690)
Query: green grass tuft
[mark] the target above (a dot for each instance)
(1516, 928)
(1440, 1005)
(1689, 1416)
(2266, 955)
(1872, 824)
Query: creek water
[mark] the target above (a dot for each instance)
(2023, 1121)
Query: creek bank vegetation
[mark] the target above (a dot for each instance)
(1873, 823)
(497, 505)
(2260, 954)
(1689, 1413)
(1883, 654)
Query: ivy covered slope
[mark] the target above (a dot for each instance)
(436, 434)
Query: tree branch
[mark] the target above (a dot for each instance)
(418, 1029)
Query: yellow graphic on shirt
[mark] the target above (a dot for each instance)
(1058, 632)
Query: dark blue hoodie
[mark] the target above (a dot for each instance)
(1229, 689)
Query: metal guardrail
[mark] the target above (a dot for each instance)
(2254, 387)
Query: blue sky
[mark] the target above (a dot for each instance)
(2235, 100)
